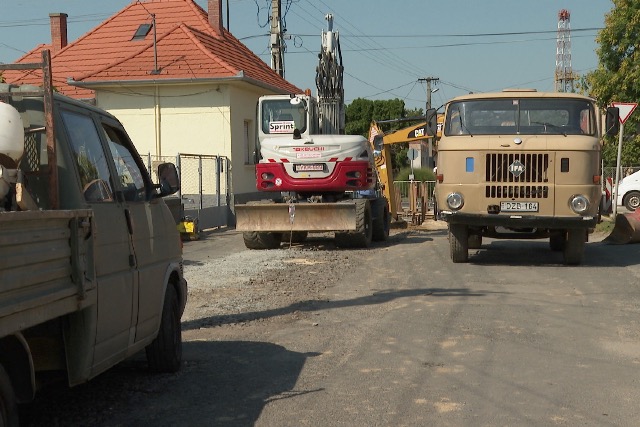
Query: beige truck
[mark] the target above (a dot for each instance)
(520, 164)
(90, 256)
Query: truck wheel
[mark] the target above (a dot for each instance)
(574, 246)
(459, 242)
(475, 241)
(164, 354)
(261, 239)
(8, 402)
(557, 240)
(294, 236)
(632, 200)
(381, 222)
(361, 237)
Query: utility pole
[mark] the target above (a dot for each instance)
(430, 160)
(277, 44)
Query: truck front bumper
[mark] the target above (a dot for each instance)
(518, 221)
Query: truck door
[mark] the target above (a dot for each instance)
(113, 249)
(153, 229)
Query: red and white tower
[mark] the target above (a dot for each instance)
(564, 73)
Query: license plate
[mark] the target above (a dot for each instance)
(311, 167)
(519, 206)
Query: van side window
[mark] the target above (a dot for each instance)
(91, 162)
(130, 175)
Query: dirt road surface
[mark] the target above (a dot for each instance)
(395, 335)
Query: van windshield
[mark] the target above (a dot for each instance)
(521, 116)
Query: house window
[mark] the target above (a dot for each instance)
(142, 32)
(248, 144)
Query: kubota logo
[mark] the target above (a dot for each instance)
(308, 148)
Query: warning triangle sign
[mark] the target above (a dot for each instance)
(625, 108)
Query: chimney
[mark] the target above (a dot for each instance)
(215, 15)
(58, 22)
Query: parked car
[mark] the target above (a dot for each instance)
(629, 191)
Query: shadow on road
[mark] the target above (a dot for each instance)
(378, 297)
(537, 253)
(220, 383)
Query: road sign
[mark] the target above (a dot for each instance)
(625, 108)
(412, 154)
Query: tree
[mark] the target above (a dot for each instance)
(616, 78)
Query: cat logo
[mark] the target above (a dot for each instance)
(418, 133)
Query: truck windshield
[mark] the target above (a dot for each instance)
(521, 116)
(279, 116)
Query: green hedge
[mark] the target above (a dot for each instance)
(420, 174)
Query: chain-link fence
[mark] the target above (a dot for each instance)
(204, 187)
(610, 173)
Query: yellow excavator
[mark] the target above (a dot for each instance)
(382, 142)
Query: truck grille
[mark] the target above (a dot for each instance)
(519, 171)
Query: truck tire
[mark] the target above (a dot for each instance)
(475, 241)
(8, 402)
(574, 246)
(294, 236)
(381, 221)
(557, 240)
(632, 200)
(360, 237)
(261, 239)
(459, 242)
(164, 354)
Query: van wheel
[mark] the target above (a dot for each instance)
(574, 246)
(362, 235)
(632, 200)
(261, 239)
(8, 402)
(164, 354)
(459, 242)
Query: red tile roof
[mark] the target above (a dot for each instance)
(187, 48)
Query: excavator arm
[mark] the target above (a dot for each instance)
(381, 144)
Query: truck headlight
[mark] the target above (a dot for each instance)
(579, 203)
(455, 201)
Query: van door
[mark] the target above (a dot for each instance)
(113, 248)
(154, 230)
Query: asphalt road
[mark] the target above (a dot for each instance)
(400, 336)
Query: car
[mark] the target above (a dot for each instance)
(629, 191)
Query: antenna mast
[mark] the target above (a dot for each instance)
(564, 73)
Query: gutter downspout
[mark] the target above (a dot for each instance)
(158, 120)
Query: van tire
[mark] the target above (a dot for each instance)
(459, 243)
(8, 402)
(261, 239)
(164, 354)
(363, 234)
(574, 246)
(632, 200)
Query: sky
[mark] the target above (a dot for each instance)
(387, 46)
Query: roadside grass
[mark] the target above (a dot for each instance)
(606, 225)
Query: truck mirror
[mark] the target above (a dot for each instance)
(432, 121)
(169, 181)
(612, 121)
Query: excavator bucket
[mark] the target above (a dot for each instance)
(626, 229)
(281, 217)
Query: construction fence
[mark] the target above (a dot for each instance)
(204, 187)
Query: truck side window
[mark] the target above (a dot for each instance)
(130, 175)
(95, 179)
